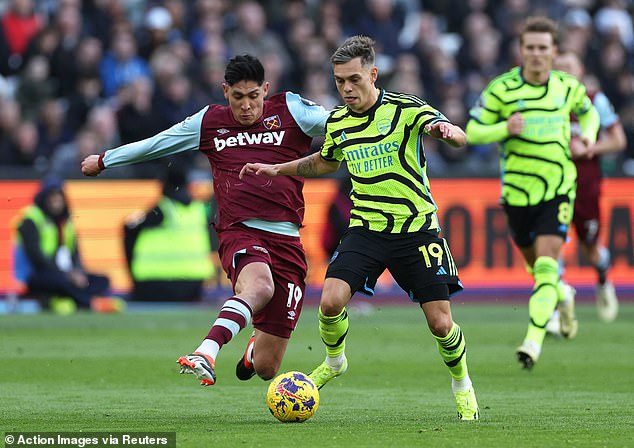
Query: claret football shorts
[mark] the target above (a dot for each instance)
(587, 215)
(241, 245)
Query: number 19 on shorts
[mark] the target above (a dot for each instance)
(433, 254)
(432, 251)
(294, 296)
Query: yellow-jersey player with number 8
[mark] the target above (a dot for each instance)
(527, 110)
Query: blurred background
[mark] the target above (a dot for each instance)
(78, 77)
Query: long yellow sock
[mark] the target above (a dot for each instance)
(544, 299)
(453, 350)
(333, 331)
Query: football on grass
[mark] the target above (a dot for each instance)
(292, 397)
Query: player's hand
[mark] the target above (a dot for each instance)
(577, 148)
(448, 133)
(258, 169)
(590, 152)
(90, 166)
(581, 148)
(515, 124)
(441, 130)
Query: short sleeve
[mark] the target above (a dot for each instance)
(607, 114)
(310, 116)
(330, 151)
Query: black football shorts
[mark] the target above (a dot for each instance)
(548, 218)
(420, 262)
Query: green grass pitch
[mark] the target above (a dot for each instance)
(118, 373)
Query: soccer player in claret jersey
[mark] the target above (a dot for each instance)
(259, 219)
(586, 218)
(527, 110)
(393, 222)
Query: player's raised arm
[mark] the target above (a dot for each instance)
(310, 166)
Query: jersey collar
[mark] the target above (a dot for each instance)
(521, 72)
(371, 110)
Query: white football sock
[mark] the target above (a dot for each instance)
(460, 385)
(604, 259)
(209, 348)
(337, 362)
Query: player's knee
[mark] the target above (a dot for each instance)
(334, 298)
(266, 290)
(330, 307)
(261, 288)
(440, 326)
(267, 371)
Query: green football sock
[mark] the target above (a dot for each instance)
(333, 331)
(453, 350)
(544, 299)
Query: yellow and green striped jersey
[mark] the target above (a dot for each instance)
(536, 165)
(383, 148)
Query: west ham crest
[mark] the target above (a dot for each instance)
(273, 122)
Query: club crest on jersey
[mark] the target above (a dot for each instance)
(272, 122)
(383, 126)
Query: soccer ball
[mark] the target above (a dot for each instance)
(292, 397)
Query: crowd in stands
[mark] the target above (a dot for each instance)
(79, 76)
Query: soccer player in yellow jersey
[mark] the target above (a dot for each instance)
(527, 110)
(393, 223)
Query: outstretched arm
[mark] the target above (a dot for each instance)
(448, 133)
(310, 166)
(90, 166)
(183, 136)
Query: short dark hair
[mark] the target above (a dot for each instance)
(539, 24)
(355, 47)
(244, 68)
